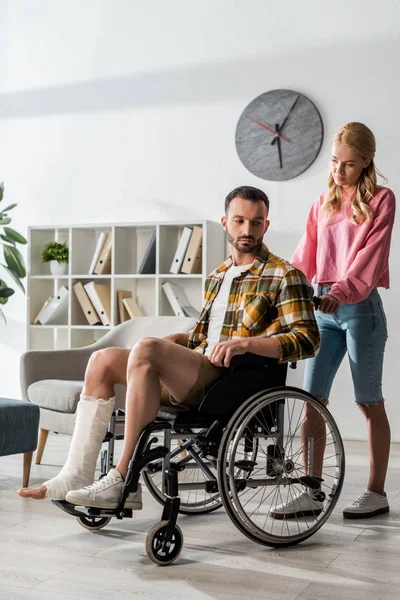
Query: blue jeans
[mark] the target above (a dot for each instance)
(361, 330)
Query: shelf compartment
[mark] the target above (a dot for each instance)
(41, 290)
(78, 317)
(142, 290)
(84, 242)
(193, 289)
(170, 236)
(131, 245)
(38, 240)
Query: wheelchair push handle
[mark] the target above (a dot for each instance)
(316, 302)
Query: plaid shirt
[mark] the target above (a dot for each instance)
(271, 299)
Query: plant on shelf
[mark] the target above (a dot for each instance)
(57, 255)
(15, 264)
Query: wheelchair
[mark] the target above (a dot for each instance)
(241, 449)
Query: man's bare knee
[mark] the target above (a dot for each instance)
(104, 365)
(145, 351)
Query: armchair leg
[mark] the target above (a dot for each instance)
(27, 468)
(43, 433)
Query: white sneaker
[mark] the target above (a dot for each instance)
(368, 504)
(105, 493)
(303, 505)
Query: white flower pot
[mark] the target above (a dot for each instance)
(57, 268)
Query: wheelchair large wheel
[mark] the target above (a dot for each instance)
(197, 478)
(297, 476)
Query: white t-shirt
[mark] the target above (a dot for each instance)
(220, 305)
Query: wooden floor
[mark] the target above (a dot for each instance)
(46, 555)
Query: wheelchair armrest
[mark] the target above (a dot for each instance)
(250, 361)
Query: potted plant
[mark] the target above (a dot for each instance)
(14, 261)
(57, 255)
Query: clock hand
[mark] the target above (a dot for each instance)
(279, 145)
(268, 129)
(287, 116)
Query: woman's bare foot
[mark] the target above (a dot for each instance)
(34, 493)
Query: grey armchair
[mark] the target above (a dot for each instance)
(54, 379)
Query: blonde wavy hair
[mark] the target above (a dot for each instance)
(361, 139)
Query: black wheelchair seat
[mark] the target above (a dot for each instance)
(183, 417)
(247, 375)
(170, 413)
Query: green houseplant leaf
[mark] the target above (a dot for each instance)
(15, 278)
(10, 207)
(14, 261)
(5, 240)
(14, 235)
(5, 292)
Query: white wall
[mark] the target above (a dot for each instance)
(114, 110)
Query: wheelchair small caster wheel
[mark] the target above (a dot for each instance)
(93, 523)
(160, 552)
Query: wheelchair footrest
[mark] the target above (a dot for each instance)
(245, 465)
(68, 508)
(91, 511)
(313, 483)
(108, 512)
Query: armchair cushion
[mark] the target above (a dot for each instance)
(56, 394)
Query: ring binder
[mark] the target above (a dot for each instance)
(181, 250)
(103, 266)
(100, 295)
(86, 305)
(193, 257)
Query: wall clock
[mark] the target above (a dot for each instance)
(279, 135)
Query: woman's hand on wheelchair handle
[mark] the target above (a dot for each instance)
(221, 354)
(328, 304)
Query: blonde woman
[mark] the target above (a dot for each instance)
(345, 249)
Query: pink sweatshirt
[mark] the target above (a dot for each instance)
(355, 257)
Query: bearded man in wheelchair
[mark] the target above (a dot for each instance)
(229, 373)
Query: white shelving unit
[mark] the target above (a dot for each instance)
(129, 244)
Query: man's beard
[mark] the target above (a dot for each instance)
(253, 246)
